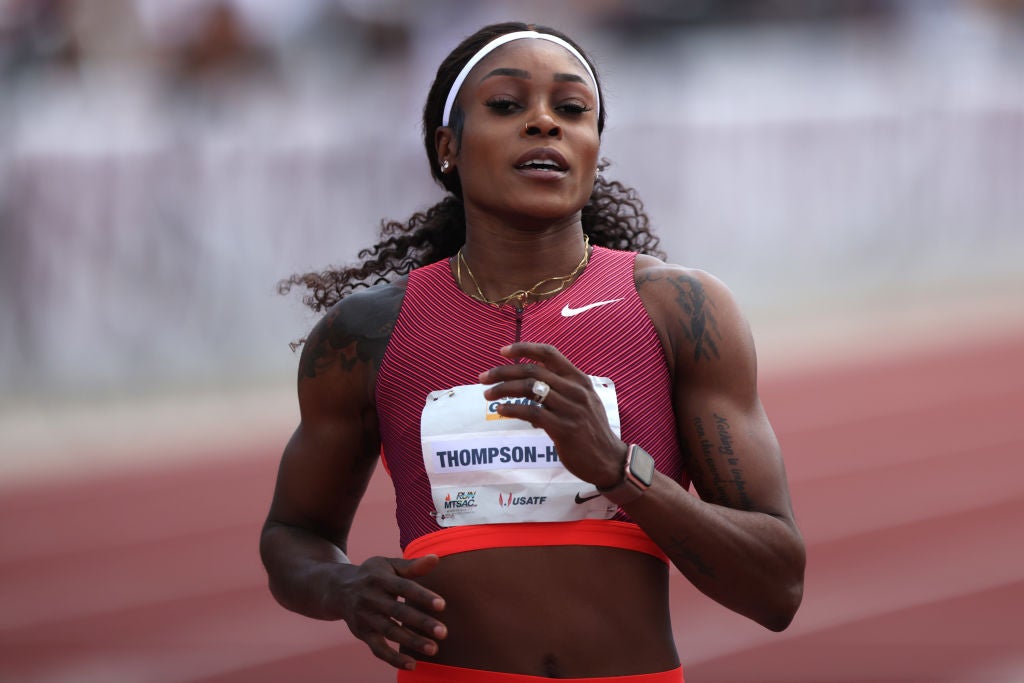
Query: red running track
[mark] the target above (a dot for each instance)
(907, 475)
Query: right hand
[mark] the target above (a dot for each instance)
(382, 602)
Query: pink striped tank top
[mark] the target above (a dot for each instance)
(444, 338)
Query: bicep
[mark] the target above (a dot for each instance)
(327, 464)
(323, 475)
(732, 454)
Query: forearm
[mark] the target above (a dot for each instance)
(750, 562)
(305, 570)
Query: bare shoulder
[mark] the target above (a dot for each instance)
(354, 333)
(695, 313)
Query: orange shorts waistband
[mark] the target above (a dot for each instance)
(599, 532)
(426, 672)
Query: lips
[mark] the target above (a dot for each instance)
(544, 160)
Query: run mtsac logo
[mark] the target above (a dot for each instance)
(462, 499)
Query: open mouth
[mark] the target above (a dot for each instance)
(542, 161)
(542, 165)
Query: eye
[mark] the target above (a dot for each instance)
(575, 108)
(502, 105)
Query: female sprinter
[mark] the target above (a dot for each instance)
(543, 397)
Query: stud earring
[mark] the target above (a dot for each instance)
(444, 166)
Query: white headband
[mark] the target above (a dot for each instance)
(498, 42)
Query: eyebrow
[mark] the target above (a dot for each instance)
(570, 78)
(504, 71)
(521, 73)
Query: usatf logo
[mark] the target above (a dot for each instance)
(492, 407)
(508, 500)
(462, 500)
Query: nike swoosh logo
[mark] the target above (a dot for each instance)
(569, 312)
(583, 499)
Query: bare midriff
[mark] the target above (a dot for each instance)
(556, 611)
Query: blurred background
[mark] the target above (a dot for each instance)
(854, 170)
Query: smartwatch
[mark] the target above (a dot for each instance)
(638, 473)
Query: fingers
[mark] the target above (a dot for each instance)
(545, 354)
(518, 380)
(415, 568)
(386, 632)
(396, 622)
(523, 388)
(549, 364)
(571, 413)
(388, 606)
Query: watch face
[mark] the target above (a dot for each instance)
(641, 466)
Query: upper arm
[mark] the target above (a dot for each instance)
(732, 455)
(330, 458)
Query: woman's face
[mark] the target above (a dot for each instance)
(529, 144)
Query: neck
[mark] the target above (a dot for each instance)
(494, 266)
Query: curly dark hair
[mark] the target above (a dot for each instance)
(613, 217)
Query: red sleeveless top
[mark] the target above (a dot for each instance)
(444, 338)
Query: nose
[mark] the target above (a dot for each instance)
(542, 125)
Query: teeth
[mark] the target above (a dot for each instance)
(542, 165)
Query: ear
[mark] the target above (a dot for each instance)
(445, 145)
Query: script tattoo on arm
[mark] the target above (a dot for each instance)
(717, 470)
(680, 549)
(355, 331)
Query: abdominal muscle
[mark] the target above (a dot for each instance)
(555, 611)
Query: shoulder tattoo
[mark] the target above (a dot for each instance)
(355, 331)
(695, 311)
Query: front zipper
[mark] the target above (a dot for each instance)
(519, 327)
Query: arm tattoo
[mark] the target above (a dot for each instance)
(356, 331)
(696, 314)
(703, 329)
(679, 549)
(717, 470)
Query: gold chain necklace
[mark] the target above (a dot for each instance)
(521, 295)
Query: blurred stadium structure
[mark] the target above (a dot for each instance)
(162, 165)
(853, 169)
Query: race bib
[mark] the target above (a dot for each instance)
(488, 469)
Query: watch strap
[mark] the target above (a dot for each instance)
(631, 487)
